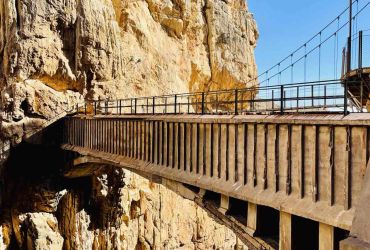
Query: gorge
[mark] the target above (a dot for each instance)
(55, 55)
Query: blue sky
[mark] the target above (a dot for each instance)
(286, 24)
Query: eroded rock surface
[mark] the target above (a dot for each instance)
(65, 51)
(111, 208)
(134, 213)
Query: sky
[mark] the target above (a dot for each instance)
(286, 24)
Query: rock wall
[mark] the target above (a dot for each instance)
(134, 213)
(111, 209)
(56, 54)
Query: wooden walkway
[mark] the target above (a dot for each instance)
(307, 165)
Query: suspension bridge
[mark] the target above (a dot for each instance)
(284, 164)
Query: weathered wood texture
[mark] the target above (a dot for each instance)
(299, 167)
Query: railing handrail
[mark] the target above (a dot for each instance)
(223, 91)
(276, 98)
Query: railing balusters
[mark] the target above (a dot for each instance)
(314, 95)
(324, 97)
(147, 105)
(236, 101)
(203, 108)
(188, 104)
(282, 99)
(345, 97)
(165, 105)
(120, 107)
(135, 106)
(360, 36)
(297, 99)
(175, 104)
(153, 105)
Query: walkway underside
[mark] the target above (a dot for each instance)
(84, 166)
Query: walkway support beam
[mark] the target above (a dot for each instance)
(285, 234)
(326, 237)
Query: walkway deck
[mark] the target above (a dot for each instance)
(307, 165)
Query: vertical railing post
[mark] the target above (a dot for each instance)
(188, 104)
(147, 105)
(236, 102)
(273, 100)
(85, 108)
(120, 107)
(135, 106)
(325, 94)
(165, 105)
(175, 105)
(203, 108)
(362, 95)
(282, 99)
(312, 97)
(95, 106)
(217, 102)
(285, 100)
(131, 106)
(360, 35)
(153, 105)
(344, 63)
(345, 97)
(349, 55)
(106, 107)
(297, 99)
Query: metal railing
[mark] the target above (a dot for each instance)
(325, 96)
(359, 54)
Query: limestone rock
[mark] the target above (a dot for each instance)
(38, 231)
(146, 216)
(107, 49)
(5, 235)
(29, 105)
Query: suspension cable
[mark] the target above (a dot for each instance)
(335, 34)
(310, 51)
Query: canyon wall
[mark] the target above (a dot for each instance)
(110, 208)
(56, 54)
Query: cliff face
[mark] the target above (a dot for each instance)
(56, 54)
(110, 209)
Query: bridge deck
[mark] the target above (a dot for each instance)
(308, 165)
